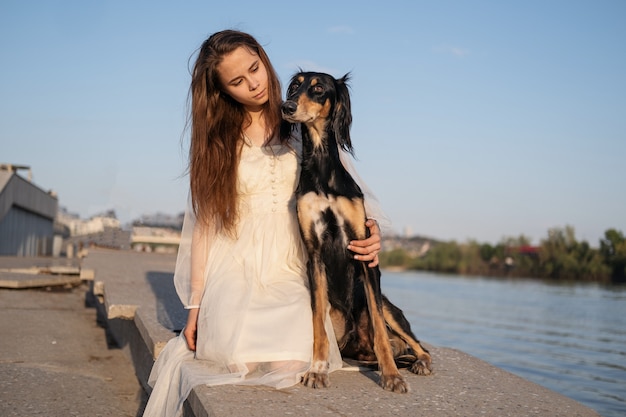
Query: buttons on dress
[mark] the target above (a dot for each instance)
(274, 182)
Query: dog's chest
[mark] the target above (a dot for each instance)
(314, 211)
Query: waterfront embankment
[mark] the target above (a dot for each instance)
(137, 301)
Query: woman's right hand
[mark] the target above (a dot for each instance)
(190, 330)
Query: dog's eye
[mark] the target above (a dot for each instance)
(318, 89)
(292, 88)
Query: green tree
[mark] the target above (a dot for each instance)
(510, 241)
(471, 261)
(486, 252)
(554, 258)
(442, 257)
(613, 250)
(563, 257)
(396, 257)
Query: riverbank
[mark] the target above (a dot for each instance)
(558, 258)
(136, 299)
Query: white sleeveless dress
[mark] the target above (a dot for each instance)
(255, 324)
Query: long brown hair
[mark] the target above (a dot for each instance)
(217, 124)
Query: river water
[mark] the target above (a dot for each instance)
(570, 338)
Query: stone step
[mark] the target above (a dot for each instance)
(37, 272)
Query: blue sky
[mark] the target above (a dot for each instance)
(472, 119)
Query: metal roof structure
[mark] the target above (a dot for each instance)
(27, 214)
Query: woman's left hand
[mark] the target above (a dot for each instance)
(367, 249)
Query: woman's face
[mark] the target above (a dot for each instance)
(244, 78)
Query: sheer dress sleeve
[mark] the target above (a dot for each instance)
(373, 207)
(189, 275)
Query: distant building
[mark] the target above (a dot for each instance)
(161, 220)
(102, 230)
(152, 233)
(27, 215)
(157, 233)
(155, 239)
(95, 224)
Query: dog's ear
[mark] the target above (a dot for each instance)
(342, 115)
(286, 129)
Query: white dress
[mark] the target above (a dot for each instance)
(255, 324)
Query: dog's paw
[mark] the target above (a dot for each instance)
(316, 380)
(394, 383)
(422, 366)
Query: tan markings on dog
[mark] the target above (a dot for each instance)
(307, 110)
(317, 375)
(381, 347)
(314, 115)
(421, 354)
(395, 326)
(339, 326)
(310, 208)
(316, 129)
(325, 111)
(364, 337)
(390, 377)
(320, 338)
(355, 212)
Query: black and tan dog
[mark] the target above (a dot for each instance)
(368, 327)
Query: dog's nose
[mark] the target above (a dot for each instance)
(289, 107)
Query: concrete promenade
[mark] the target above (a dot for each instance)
(137, 301)
(55, 359)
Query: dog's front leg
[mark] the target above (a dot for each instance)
(317, 375)
(390, 378)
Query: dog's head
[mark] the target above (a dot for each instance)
(321, 102)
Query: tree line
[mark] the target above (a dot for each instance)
(560, 256)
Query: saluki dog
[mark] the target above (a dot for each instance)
(331, 212)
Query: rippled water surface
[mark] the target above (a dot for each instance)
(569, 338)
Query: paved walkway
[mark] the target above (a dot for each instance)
(54, 358)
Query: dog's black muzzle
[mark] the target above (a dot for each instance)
(289, 107)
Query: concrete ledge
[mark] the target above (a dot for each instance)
(87, 274)
(36, 272)
(462, 385)
(155, 335)
(18, 280)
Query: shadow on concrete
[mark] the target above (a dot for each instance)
(170, 311)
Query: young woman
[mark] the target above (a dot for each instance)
(241, 267)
